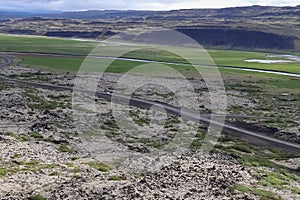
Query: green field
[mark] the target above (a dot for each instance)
(274, 81)
(64, 46)
(237, 58)
(66, 64)
(36, 44)
(72, 64)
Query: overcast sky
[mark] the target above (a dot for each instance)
(67, 5)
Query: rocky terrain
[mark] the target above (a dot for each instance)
(41, 155)
(44, 154)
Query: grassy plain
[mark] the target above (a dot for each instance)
(237, 58)
(72, 64)
(35, 44)
(266, 80)
(53, 63)
(10, 43)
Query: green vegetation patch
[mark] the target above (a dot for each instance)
(69, 64)
(3, 172)
(22, 166)
(35, 135)
(110, 125)
(39, 103)
(44, 45)
(220, 57)
(237, 59)
(116, 178)
(37, 197)
(65, 149)
(255, 161)
(263, 194)
(22, 138)
(98, 166)
(290, 83)
(198, 141)
(279, 179)
(72, 47)
(141, 121)
(32, 166)
(243, 147)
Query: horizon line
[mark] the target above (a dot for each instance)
(153, 10)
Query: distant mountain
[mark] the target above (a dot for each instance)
(185, 14)
(106, 14)
(5, 14)
(190, 14)
(89, 14)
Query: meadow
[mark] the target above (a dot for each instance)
(35, 44)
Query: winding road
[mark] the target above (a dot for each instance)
(244, 135)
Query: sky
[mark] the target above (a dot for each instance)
(73, 5)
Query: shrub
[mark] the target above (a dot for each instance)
(65, 149)
(36, 197)
(99, 166)
(256, 161)
(116, 178)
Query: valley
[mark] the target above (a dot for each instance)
(92, 111)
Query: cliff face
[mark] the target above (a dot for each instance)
(250, 28)
(79, 34)
(239, 39)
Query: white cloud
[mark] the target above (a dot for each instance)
(134, 4)
(212, 4)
